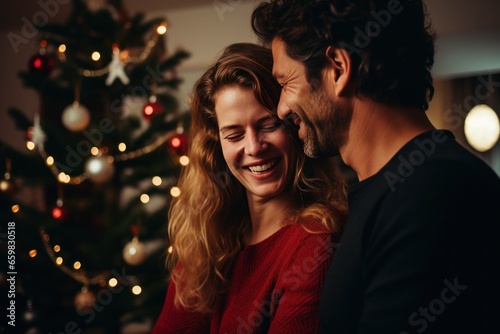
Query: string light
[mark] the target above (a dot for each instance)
(136, 290)
(30, 145)
(175, 192)
(77, 265)
(15, 208)
(96, 56)
(94, 151)
(184, 160)
(49, 161)
(33, 253)
(122, 147)
(162, 29)
(112, 282)
(144, 198)
(62, 48)
(57, 248)
(76, 275)
(156, 181)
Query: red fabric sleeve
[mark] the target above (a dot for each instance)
(177, 320)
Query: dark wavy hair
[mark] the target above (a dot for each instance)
(390, 42)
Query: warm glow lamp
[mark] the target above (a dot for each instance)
(482, 128)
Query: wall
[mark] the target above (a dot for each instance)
(466, 47)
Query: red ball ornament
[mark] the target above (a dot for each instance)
(29, 133)
(178, 144)
(59, 213)
(42, 64)
(152, 108)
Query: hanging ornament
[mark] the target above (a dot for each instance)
(100, 169)
(30, 315)
(84, 300)
(75, 117)
(134, 252)
(96, 5)
(29, 134)
(6, 186)
(117, 69)
(59, 212)
(38, 135)
(41, 64)
(178, 144)
(153, 107)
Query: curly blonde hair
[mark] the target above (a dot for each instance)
(209, 218)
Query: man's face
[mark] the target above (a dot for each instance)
(323, 124)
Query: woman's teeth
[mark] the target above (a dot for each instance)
(262, 168)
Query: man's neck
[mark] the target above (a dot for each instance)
(377, 132)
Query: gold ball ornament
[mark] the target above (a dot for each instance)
(134, 252)
(76, 117)
(84, 300)
(100, 169)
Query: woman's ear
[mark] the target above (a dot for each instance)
(338, 69)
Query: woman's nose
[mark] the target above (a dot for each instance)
(254, 144)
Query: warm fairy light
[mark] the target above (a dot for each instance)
(94, 151)
(175, 142)
(15, 208)
(112, 282)
(136, 290)
(144, 198)
(62, 48)
(57, 248)
(148, 110)
(49, 161)
(63, 177)
(96, 56)
(162, 29)
(59, 261)
(184, 160)
(30, 145)
(156, 181)
(33, 253)
(77, 265)
(175, 191)
(43, 43)
(122, 147)
(110, 159)
(170, 249)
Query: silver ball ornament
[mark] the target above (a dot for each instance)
(134, 252)
(100, 169)
(84, 300)
(76, 117)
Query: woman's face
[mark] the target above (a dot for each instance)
(256, 146)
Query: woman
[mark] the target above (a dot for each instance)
(254, 226)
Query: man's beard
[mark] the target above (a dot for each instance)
(325, 136)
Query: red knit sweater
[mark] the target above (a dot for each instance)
(274, 289)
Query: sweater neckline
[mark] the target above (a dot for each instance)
(267, 240)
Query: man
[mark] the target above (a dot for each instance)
(420, 252)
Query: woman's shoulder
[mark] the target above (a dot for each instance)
(307, 234)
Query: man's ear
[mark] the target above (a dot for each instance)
(339, 67)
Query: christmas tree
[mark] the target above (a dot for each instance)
(86, 253)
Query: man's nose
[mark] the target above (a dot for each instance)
(283, 109)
